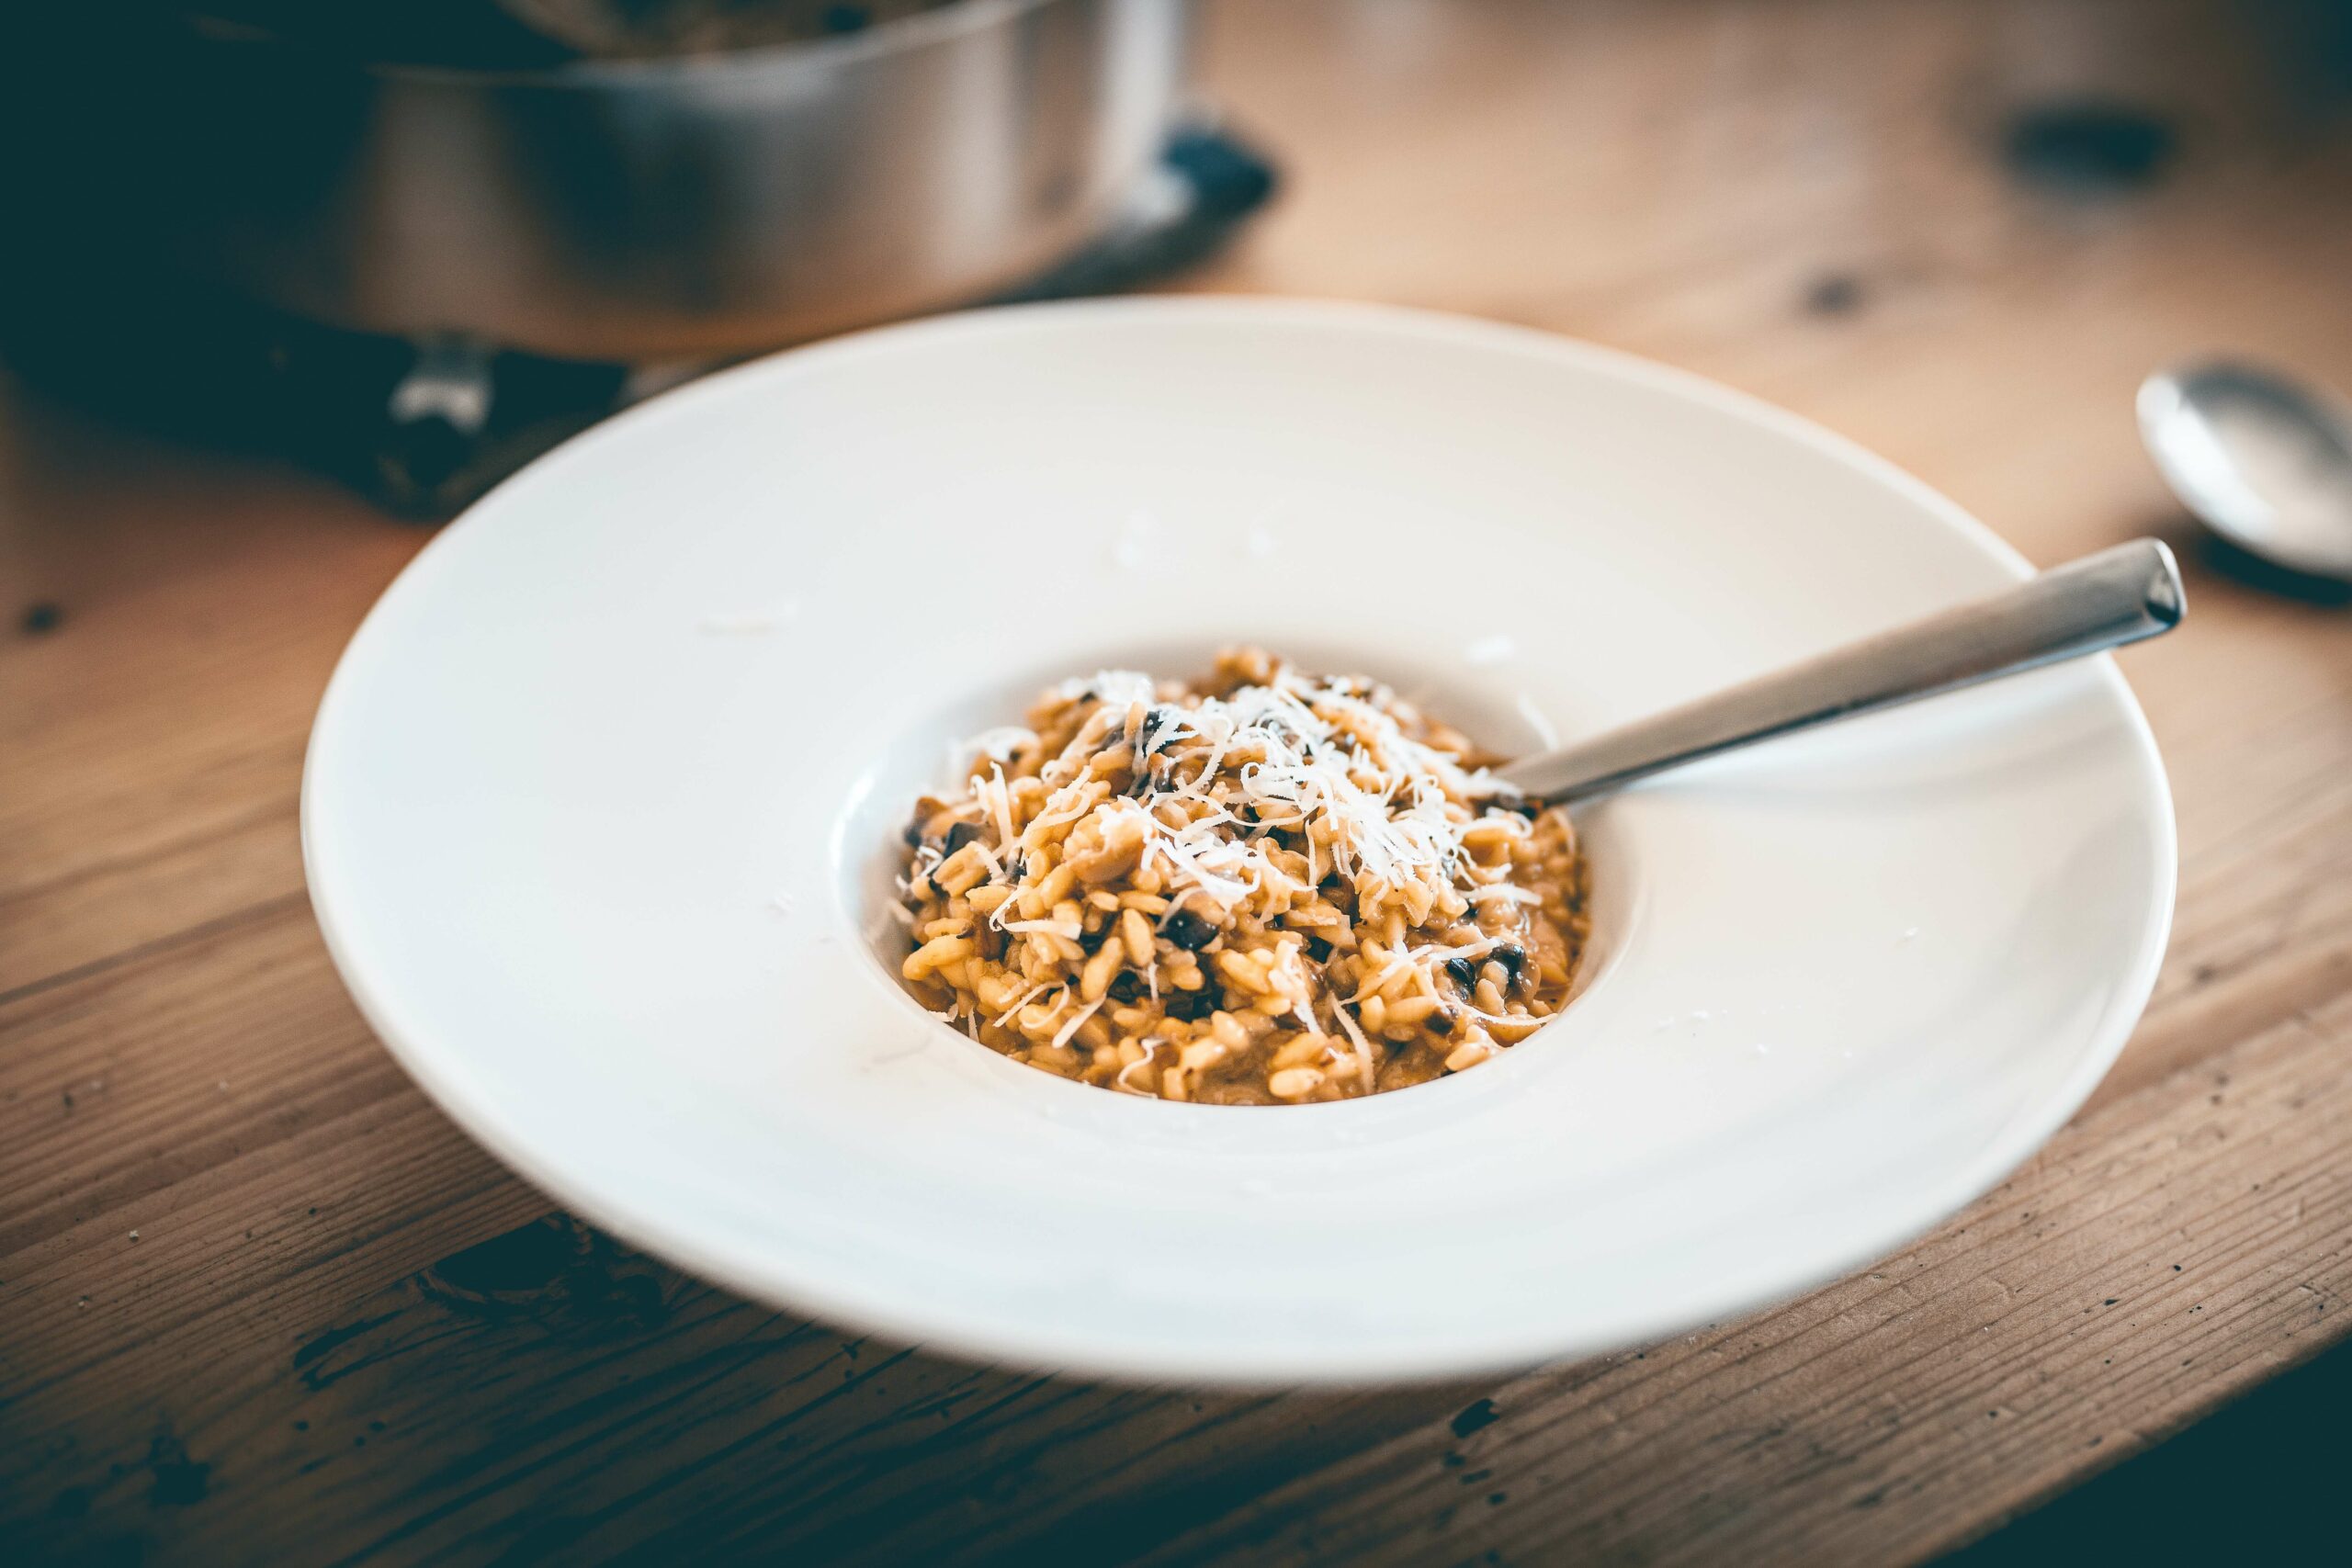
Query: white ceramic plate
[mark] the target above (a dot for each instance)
(600, 802)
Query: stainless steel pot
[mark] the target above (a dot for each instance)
(650, 208)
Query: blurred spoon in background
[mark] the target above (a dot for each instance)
(2259, 457)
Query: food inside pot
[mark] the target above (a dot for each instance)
(506, 35)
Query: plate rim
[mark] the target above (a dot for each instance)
(810, 1293)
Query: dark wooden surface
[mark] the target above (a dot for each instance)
(260, 1303)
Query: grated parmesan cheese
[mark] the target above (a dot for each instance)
(1354, 834)
(1061, 1036)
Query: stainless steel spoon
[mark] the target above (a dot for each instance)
(2261, 459)
(2103, 601)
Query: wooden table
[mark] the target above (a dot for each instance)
(260, 1303)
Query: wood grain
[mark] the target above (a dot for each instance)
(2163, 1253)
(330, 1340)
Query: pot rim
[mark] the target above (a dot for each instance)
(923, 29)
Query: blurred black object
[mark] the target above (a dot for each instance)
(424, 427)
(2089, 148)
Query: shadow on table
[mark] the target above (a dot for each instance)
(550, 1394)
(2254, 1482)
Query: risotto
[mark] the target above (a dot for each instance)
(1263, 887)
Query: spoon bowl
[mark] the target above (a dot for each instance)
(2259, 457)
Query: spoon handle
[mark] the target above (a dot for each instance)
(2103, 601)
